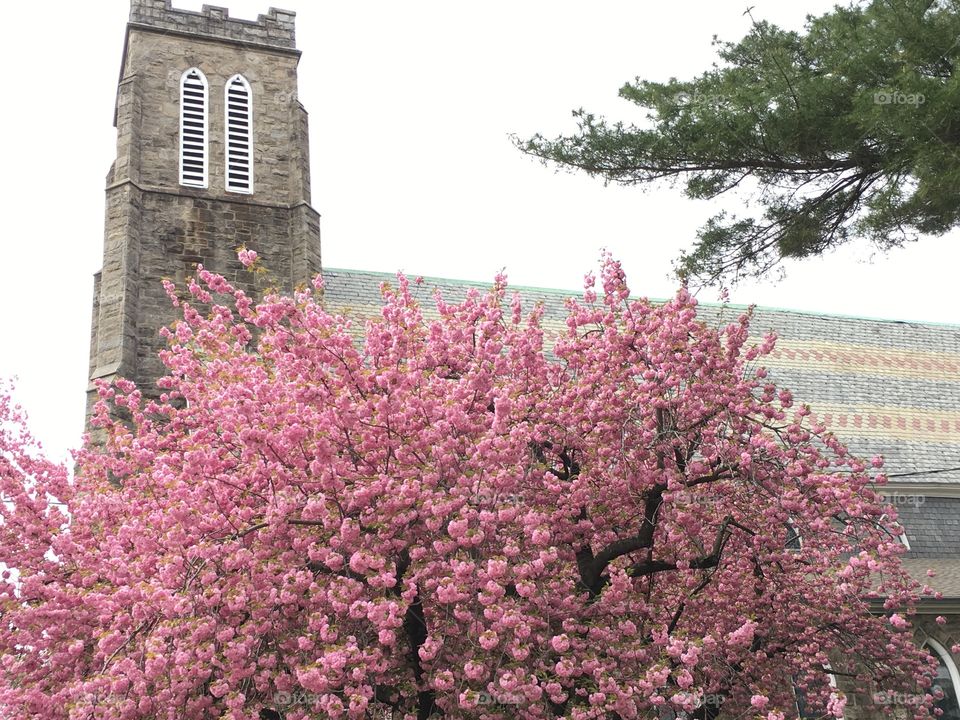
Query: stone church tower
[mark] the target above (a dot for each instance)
(212, 153)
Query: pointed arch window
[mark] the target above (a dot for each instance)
(792, 540)
(194, 104)
(239, 135)
(948, 680)
(807, 710)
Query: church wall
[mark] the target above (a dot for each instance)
(156, 228)
(186, 231)
(160, 60)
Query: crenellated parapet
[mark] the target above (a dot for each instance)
(275, 28)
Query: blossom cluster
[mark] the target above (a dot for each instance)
(453, 517)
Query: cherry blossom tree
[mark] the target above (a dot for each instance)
(454, 518)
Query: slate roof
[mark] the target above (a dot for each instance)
(932, 524)
(883, 386)
(946, 574)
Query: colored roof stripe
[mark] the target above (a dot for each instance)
(896, 423)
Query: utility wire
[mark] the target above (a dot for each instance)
(924, 472)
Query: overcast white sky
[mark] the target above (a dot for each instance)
(411, 104)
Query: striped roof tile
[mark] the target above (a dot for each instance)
(885, 387)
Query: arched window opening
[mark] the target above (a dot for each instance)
(193, 128)
(947, 679)
(792, 540)
(239, 135)
(807, 710)
(902, 536)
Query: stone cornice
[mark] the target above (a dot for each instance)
(234, 201)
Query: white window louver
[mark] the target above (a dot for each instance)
(193, 128)
(239, 135)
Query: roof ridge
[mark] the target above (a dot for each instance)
(702, 303)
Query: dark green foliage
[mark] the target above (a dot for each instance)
(849, 129)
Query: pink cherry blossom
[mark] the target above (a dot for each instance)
(458, 512)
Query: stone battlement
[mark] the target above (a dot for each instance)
(276, 28)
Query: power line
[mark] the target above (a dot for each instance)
(924, 472)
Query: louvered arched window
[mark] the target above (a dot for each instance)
(239, 135)
(194, 104)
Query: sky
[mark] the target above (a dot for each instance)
(411, 106)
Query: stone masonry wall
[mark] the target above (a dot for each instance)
(158, 62)
(275, 28)
(185, 231)
(154, 227)
(883, 703)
